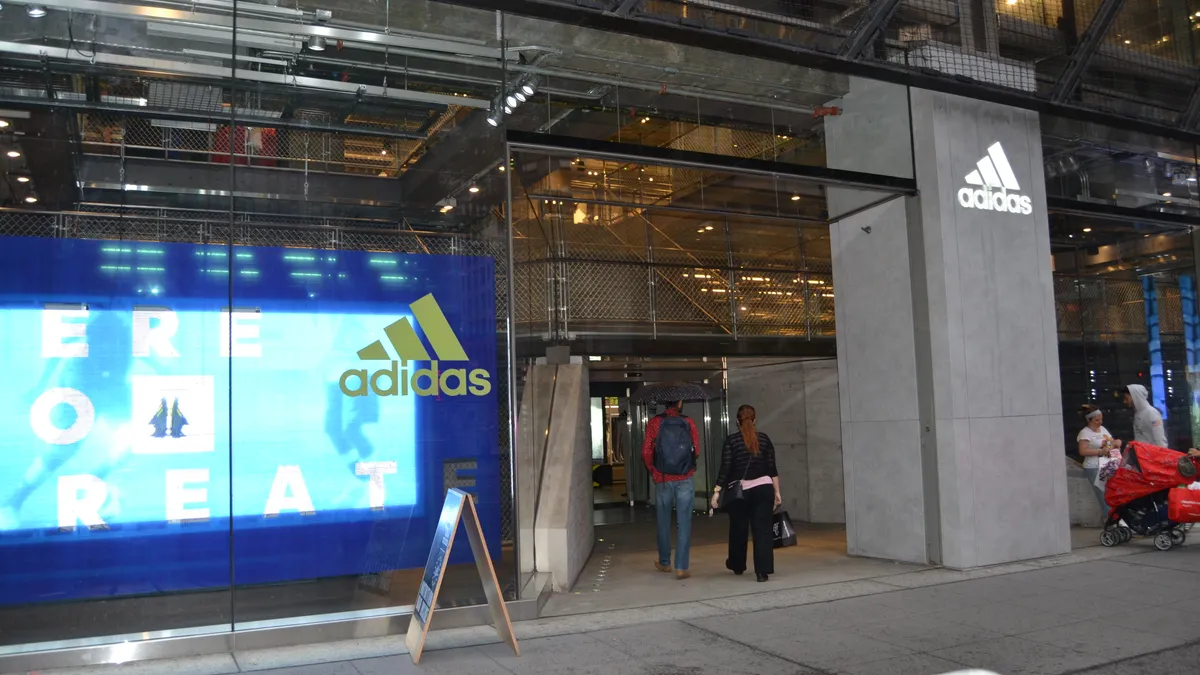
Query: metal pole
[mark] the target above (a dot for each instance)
(650, 279)
(733, 306)
(807, 285)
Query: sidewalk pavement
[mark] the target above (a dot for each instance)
(1124, 611)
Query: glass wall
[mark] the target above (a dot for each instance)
(1122, 205)
(254, 314)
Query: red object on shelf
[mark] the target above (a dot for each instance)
(262, 153)
(1183, 505)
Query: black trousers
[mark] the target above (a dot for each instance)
(753, 515)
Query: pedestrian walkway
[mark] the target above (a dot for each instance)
(1104, 611)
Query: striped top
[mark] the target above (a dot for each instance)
(738, 464)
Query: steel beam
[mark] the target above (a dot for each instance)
(870, 25)
(626, 7)
(203, 70)
(1065, 87)
(1190, 117)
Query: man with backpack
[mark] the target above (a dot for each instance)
(670, 450)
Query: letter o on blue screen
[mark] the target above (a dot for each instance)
(43, 425)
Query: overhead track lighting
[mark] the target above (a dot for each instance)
(528, 88)
(316, 43)
(511, 101)
(520, 96)
(35, 11)
(508, 110)
(493, 120)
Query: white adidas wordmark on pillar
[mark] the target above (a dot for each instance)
(998, 186)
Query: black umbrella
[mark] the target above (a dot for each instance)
(670, 392)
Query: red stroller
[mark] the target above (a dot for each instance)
(1138, 494)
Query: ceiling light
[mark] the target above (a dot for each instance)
(795, 198)
(383, 151)
(473, 189)
(1012, 2)
(316, 43)
(501, 169)
(14, 153)
(528, 88)
(1129, 42)
(508, 110)
(31, 199)
(520, 96)
(511, 101)
(1086, 230)
(22, 179)
(35, 11)
(1166, 194)
(3, 124)
(708, 227)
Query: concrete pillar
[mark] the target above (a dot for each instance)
(946, 335)
(555, 483)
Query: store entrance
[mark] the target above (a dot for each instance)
(623, 488)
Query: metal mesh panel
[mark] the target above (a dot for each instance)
(692, 296)
(298, 148)
(600, 292)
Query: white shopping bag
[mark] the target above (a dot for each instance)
(1104, 461)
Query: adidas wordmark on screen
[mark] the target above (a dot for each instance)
(435, 380)
(997, 187)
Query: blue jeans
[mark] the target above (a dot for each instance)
(681, 496)
(1091, 478)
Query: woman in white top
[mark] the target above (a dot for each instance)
(1095, 442)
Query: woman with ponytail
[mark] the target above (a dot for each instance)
(748, 489)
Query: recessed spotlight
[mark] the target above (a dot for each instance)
(316, 43)
(31, 199)
(35, 11)
(473, 189)
(13, 154)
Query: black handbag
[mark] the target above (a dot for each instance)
(733, 492)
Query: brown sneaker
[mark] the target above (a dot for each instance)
(661, 567)
(682, 574)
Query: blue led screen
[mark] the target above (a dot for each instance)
(169, 408)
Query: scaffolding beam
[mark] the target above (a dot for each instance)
(1078, 60)
(1189, 119)
(870, 25)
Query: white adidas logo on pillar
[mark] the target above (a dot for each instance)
(997, 186)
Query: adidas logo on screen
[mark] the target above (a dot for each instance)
(997, 186)
(396, 380)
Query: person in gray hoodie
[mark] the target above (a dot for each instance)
(1147, 420)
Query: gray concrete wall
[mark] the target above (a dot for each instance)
(555, 504)
(797, 406)
(947, 350)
